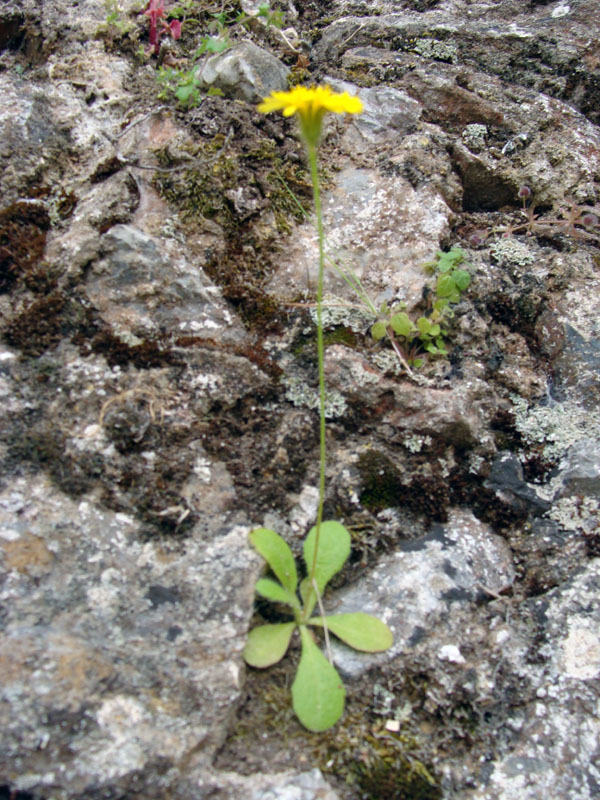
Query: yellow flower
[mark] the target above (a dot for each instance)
(311, 104)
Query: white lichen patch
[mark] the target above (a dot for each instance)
(415, 443)
(303, 396)
(557, 426)
(387, 361)
(474, 137)
(577, 513)
(436, 49)
(206, 384)
(451, 653)
(512, 253)
(581, 650)
(336, 314)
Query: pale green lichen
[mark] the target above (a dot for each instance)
(362, 376)
(581, 514)
(387, 361)
(335, 314)
(304, 396)
(439, 51)
(511, 253)
(415, 443)
(557, 426)
(474, 136)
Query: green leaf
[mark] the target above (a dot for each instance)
(447, 261)
(401, 324)
(435, 330)
(184, 92)
(278, 556)
(333, 550)
(378, 331)
(418, 362)
(216, 44)
(275, 591)
(461, 278)
(424, 325)
(267, 644)
(318, 694)
(445, 286)
(360, 631)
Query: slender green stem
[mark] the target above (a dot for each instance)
(348, 275)
(312, 158)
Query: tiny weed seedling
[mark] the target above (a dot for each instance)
(318, 694)
(155, 11)
(576, 221)
(428, 331)
(317, 691)
(114, 18)
(183, 85)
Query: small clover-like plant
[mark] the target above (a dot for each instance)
(318, 693)
(427, 331)
(451, 279)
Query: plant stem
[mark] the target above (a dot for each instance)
(312, 158)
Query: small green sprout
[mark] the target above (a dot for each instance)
(318, 693)
(427, 331)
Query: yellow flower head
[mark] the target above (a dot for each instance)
(311, 104)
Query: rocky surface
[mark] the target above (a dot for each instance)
(158, 393)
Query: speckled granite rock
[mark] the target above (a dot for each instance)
(563, 724)
(121, 659)
(423, 585)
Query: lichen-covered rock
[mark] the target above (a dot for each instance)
(554, 753)
(144, 428)
(420, 587)
(121, 658)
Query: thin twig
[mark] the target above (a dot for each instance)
(399, 353)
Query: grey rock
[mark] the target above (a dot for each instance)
(94, 620)
(416, 588)
(581, 474)
(387, 112)
(506, 479)
(372, 221)
(455, 414)
(245, 72)
(578, 368)
(142, 286)
(555, 753)
(280, 786)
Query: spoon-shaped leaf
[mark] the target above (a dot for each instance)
(278, 556)
(360, 631)
(334, 549)
(276, 592)
(267, 644)
(318, 693)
